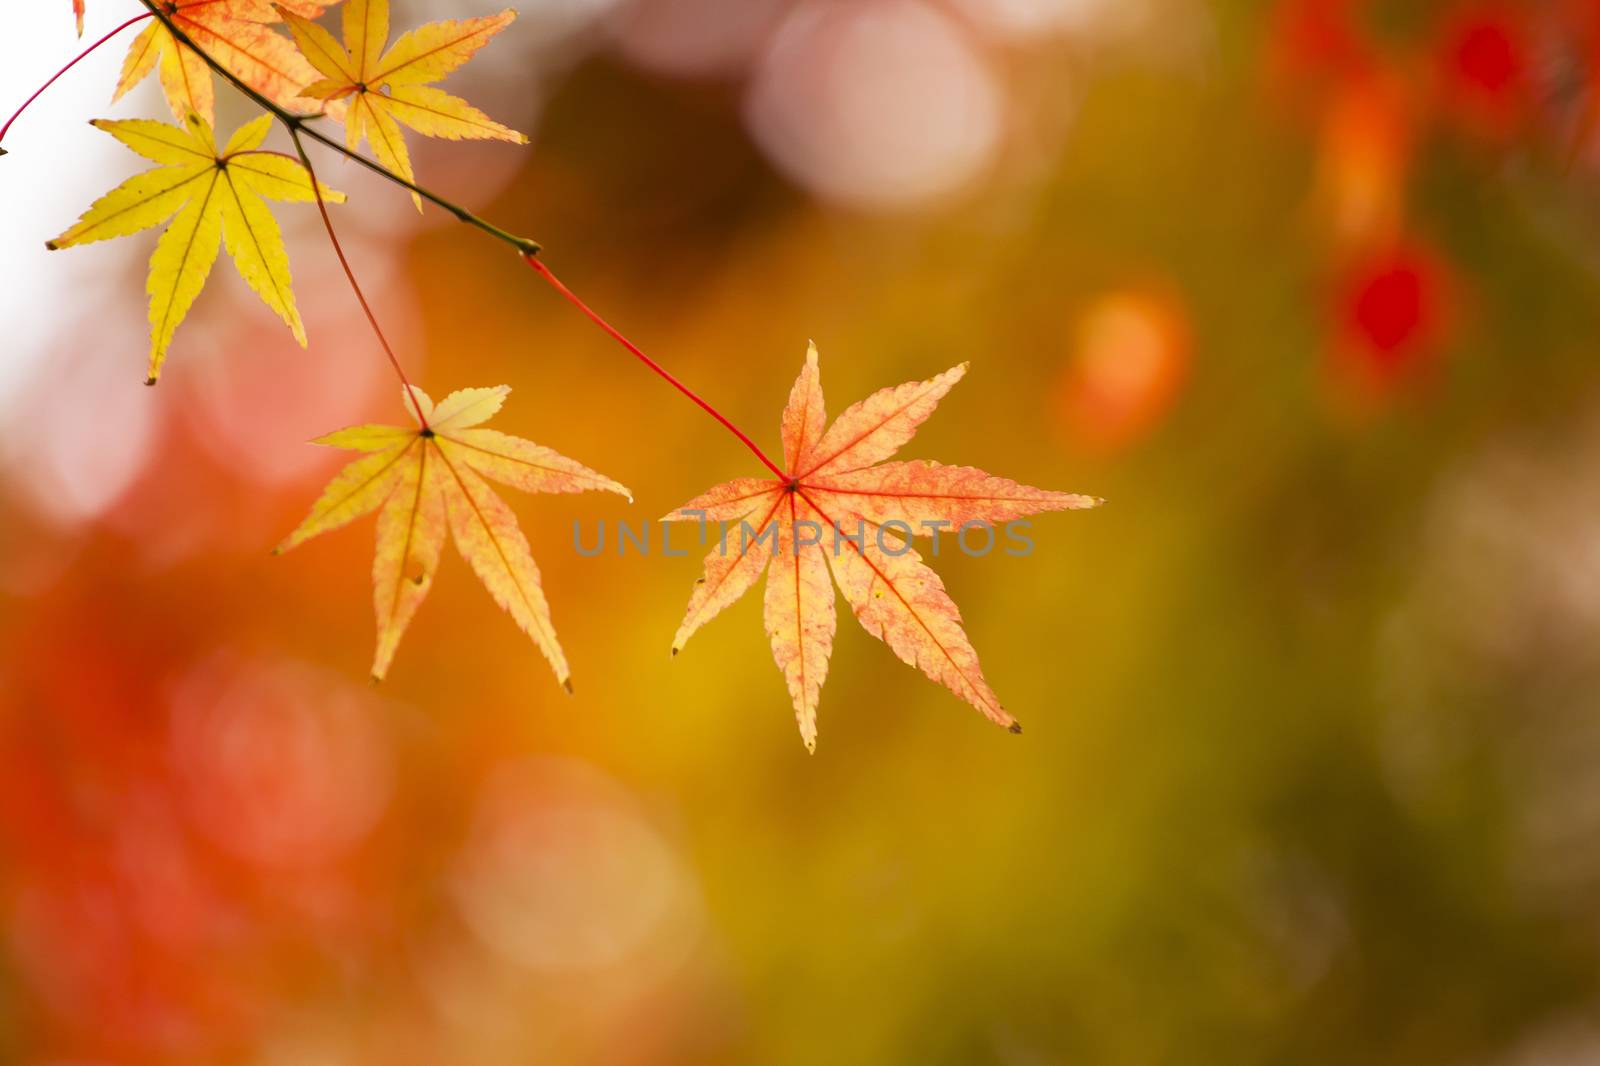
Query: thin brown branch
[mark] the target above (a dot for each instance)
(338, 249)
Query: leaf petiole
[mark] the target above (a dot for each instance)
(327, 223)
(544, 272)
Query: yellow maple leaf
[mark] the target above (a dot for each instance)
(216, 196)
(387, 89)
(430, 479)
(238, 34)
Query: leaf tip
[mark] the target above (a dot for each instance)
(1015, 727)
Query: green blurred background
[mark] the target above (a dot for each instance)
(1311, 774)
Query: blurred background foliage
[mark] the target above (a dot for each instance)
(1305, 288)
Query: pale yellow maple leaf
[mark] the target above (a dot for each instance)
(428, 480)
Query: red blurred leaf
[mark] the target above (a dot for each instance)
(1485, 67)
(1393, 312)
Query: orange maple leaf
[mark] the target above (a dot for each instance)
(238, 34)
(429, 479)
(389, 85)
(839, 506)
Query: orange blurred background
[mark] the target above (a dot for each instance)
(1305, 288)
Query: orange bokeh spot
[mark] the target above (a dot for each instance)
(1130, 358)
(1364, 160)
